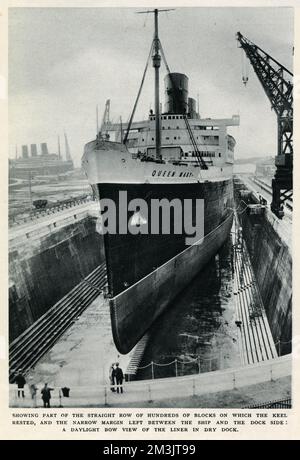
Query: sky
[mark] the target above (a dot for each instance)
(65, 61)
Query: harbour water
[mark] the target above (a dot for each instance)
(198, 332)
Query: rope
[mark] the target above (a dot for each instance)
(138, 95)
(143, 367)
(193, 360)
(161, 365)
(201, 162)
(164, 57)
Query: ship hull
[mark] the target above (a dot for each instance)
(134, 310)
(146, 271)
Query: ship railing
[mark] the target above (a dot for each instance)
(277, 404)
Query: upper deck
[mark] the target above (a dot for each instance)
(210, 135)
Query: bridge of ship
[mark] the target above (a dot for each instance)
(210, 135)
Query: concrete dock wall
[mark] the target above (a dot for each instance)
(46, 267)
(271, 258)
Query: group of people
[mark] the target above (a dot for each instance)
(45, 392)
(116, 378)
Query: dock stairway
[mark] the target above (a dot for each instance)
(136, 359)
(255, 337)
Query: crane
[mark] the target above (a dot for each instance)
(105, 120)
(276, 81)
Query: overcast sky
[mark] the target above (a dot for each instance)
(64, 61)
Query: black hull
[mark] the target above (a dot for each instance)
(130, 257)
(134, 310)
(146, 272)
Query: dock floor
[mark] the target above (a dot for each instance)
(83, 354)
(236, 387)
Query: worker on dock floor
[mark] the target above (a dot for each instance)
(20, 381)
(46, 395)
(33, 391)
(112, 377)
(118, 373)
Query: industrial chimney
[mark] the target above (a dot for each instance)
(68, 153)
(25, 151)
(33, 149)
(44, 148)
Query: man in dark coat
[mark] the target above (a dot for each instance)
(118, 374)
(112, 377)
(20, 381)
(46, 395)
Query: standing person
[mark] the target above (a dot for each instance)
(119, 377)
(112, 377)
(20, 381)
(46, 395)
(33, 390)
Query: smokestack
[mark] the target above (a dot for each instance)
(176, 91)
(44, 148)
(68, 153)
(192, 107)
(58, 147)
(33, 149)
(25, 151)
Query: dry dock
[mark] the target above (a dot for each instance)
(57, 308)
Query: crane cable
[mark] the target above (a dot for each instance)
(245, 67)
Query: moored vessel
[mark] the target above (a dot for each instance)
(182, 164)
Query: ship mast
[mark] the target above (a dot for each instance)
(156, 64)
(156, 59)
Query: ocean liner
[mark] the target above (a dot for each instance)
(173, 155)
(42, 164)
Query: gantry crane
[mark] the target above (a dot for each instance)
(276, 81)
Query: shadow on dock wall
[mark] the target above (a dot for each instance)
(41, 274)
(272, 265)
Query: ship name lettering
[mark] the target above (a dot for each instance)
(164, 173)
